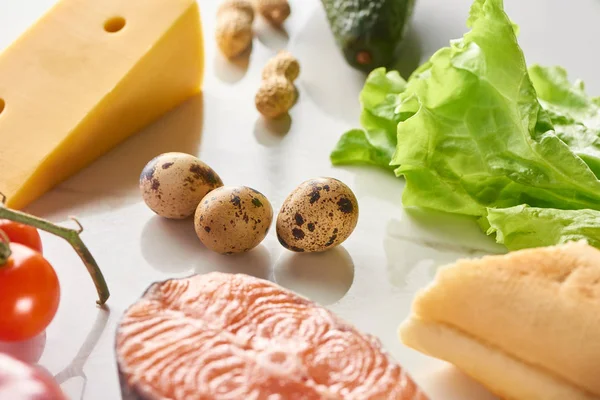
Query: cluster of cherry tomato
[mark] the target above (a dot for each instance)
(29, 297)
(29, 287)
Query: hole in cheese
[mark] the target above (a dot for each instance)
(2, 105)
(114, 24)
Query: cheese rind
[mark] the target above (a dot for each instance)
(73, 90)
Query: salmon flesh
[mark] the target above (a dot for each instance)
(232, 336)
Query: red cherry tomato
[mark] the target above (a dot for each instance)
(20, 381)
(21, 233)
(29, 294)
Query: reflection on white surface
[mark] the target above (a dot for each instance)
(448, 381)
(421, 241)
(444, 232)
(77, 386)
(29, 351)
(322, 277)
(413, 259)
(74, 371)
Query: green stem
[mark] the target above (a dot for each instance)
(5, 251)
(71, 236)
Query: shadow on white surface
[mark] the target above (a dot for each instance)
(231, 71)
(74, 371)
(376, 182)
(410, 54)
(170, 245)
(325, 77)
(256, 262)
(450, 232)
(29, 351)
(273, 38)
(112, 180)
(322, 277)
(270, 132)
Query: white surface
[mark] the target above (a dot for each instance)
(370, 281)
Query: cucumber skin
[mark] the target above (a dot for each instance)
(375, 26)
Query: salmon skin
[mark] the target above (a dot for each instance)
(235, 337)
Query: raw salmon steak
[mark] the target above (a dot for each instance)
(232, 336)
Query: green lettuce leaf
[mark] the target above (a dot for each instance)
(475, 132)
(575, 116)
(524, 227)
(479, 137)
(376, 144)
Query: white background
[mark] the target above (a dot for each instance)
(370, 281)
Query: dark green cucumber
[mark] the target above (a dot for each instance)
(369, 32)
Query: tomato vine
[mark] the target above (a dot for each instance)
(70, 235)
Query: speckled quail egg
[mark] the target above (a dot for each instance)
(172, 184)
(233, 219)
(318, 215)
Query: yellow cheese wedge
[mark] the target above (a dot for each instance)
(84, 78)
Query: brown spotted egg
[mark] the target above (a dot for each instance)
(233, 219)
(172, 184)
(318, 215)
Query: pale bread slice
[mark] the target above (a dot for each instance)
(503, 375)
(538, 306)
